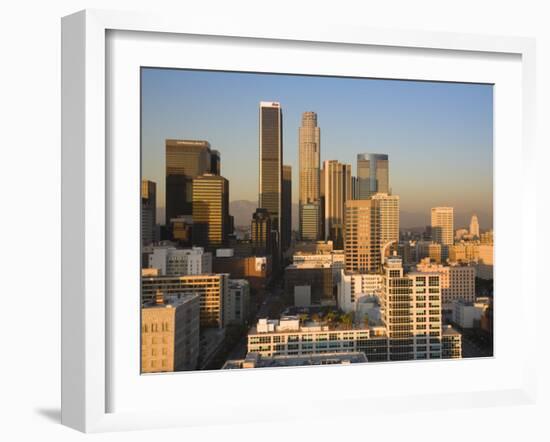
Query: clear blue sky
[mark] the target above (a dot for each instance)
(439, 136)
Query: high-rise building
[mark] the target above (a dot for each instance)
(336, 190)
(185, 160)
(371, 231)
(474, 226)
(310, 221)
(286, 221)
(210, 210)
(211, 288)
(358, 246)
(309, 146)
(148, 211)
(170, 333)
(260, 233)
(215, 162)
(372, 174)
(411, 310)
(271, 164)
(385, 222)
(442, 227)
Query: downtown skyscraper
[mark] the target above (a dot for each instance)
(372, 174)
(286, 219)
(309, 146)
(271, 165)
(336, 189)
(185, 160)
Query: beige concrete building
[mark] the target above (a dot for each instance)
(457, 281)
(352, 286)
(170, 334)
(211, 288)
(359, 248)
(371, 231)
(309, 151)
(171, 261)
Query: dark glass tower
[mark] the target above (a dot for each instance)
(372, 174)
(185, 160)
(271, 165)
(286, 219)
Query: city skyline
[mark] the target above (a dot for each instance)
(351, 284)
(416, 171)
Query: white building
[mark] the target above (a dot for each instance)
(173, 262)
(237, 301)
(442, 223)
(353, 286)
(336, 259)
(457, 281)
(466, 314)
(474, 226)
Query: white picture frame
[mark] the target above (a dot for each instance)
(87, 355)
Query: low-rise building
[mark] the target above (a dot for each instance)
(457, 281)
(255, 269)
(211, 288)
(352, 286)
(318, 276)
(172, 261)
(170, 333)
(256, 360)
(468, 315)
(289, 337)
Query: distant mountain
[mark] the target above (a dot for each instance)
(242, 211)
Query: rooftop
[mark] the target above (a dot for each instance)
(254, 360)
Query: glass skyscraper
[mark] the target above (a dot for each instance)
(372, 174)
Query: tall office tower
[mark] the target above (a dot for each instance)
(385, 223)
(286, 220)
(310, 217)
(354, 188)
(271, 165)
(185, 160)
(210, 210)
(442, 225)
(309, 145)
(215, 162)
(170, 333)
(260, 233)
(372, 174)
(336, 190)
(474, 226)
(148, 211)
(411, 310)
(358, 249)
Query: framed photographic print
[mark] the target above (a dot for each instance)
(247, 207)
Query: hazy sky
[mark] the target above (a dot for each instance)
(439, 136)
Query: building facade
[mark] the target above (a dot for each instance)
(309, 151)
(442, 224)
(457, 282)
(260, 233)
(238, 301)
(170, 334)
(286, 221)
(185, 160)
(171, 261)
(271, 164)
(372, 174)
(148, 212)
(211, 288)
(336, 190)
(211, 221)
